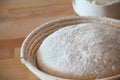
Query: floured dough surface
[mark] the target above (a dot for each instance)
(83, 51)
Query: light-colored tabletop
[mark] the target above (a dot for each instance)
(17, 19)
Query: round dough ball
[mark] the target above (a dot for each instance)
(83, 51)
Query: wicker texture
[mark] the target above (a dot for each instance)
(35, 38)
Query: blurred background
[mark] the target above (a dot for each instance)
(17, 19)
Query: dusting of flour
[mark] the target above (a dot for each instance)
(103, 2)
(83, 51)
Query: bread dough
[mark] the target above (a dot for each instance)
(84, 51)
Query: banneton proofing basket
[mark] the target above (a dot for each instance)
(34, 39)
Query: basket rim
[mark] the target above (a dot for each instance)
(30, 35)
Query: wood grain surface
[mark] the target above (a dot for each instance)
(17, 19)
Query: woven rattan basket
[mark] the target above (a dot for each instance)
(35, 38)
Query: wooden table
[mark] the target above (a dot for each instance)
(17, 19)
